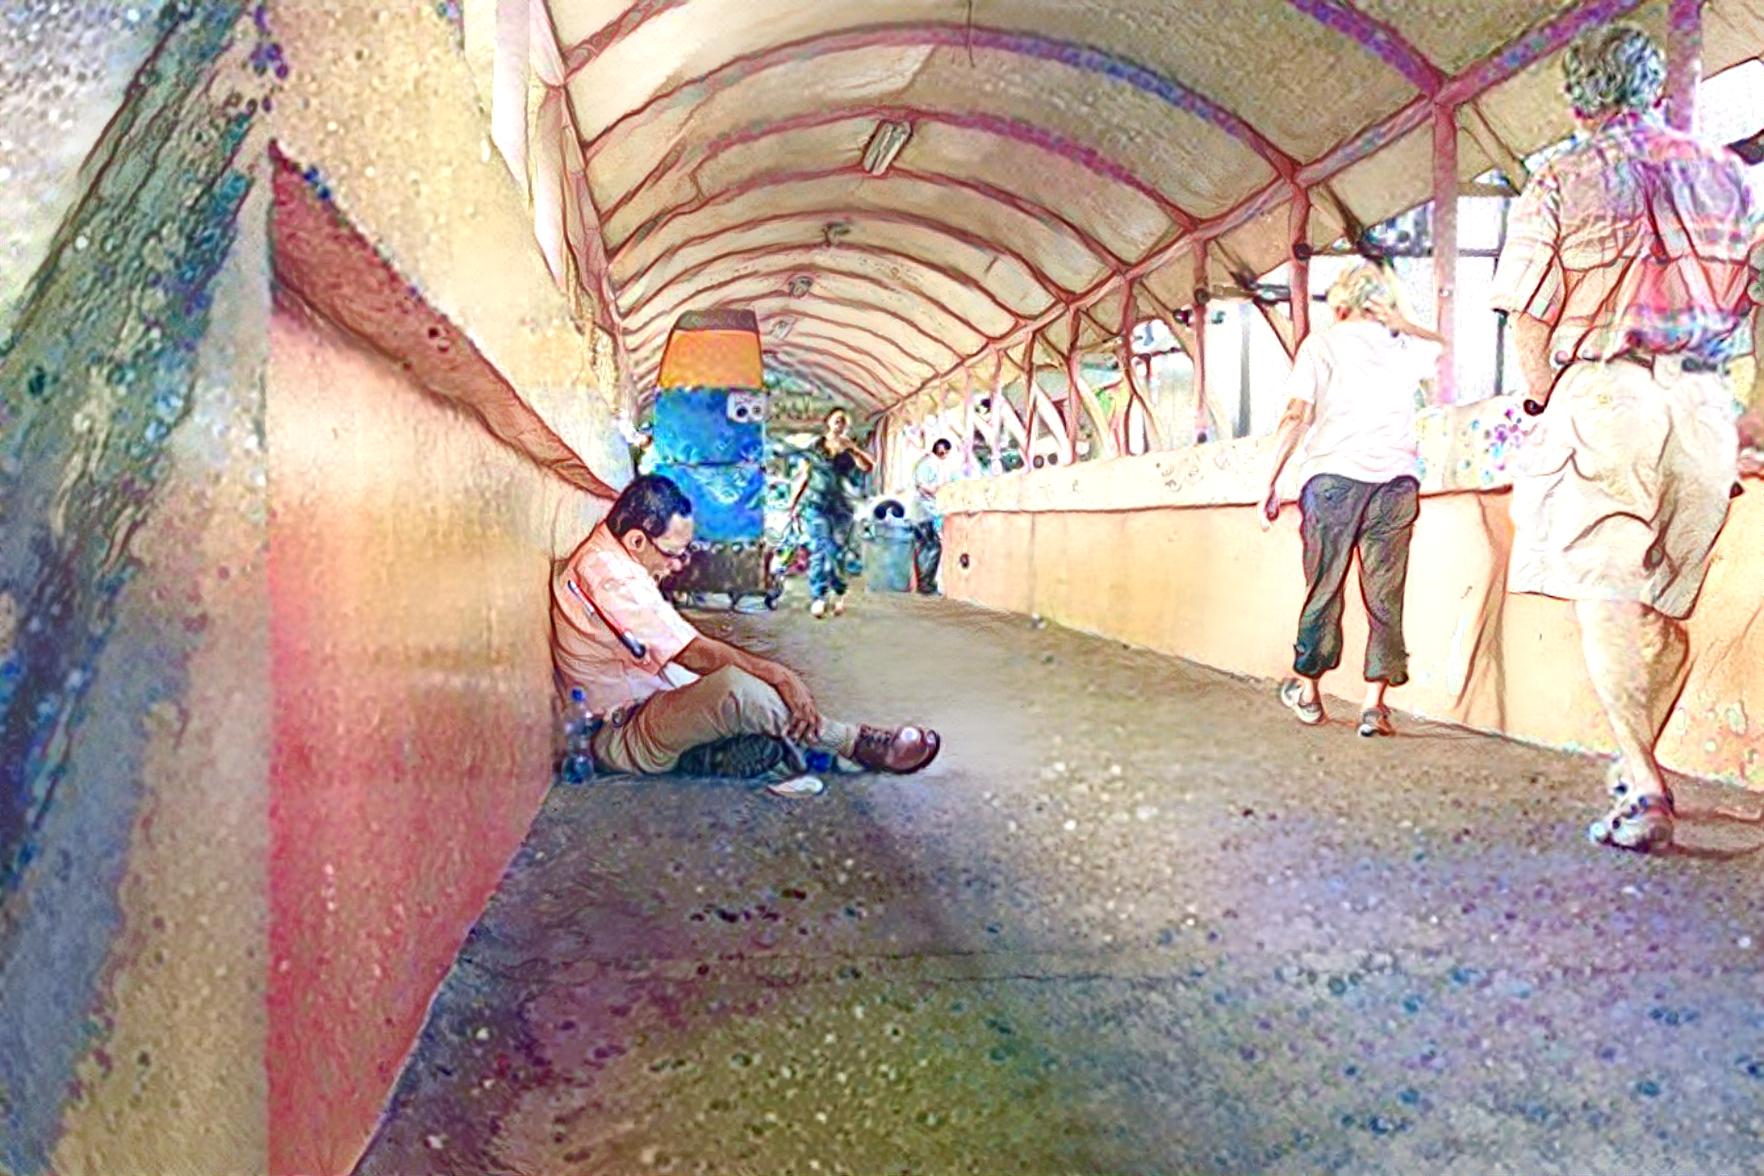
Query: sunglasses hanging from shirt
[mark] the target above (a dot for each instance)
(635, 647)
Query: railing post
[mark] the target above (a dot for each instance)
(1154, 435)
(1201, 417)
(1299, 229)
(1445, 247)
(1684, 62)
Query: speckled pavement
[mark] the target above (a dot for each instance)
(1136, 920)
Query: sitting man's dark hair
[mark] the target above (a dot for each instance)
(942, 446)
(648, 504)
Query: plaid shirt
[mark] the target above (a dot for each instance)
(1635, 239)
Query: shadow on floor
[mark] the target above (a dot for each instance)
(1135, 921)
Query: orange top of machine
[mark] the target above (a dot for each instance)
(713, 349)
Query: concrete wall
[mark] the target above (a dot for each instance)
(409, 561)
(408, 572)
(332, 660)
(1205, 582)
(382, 103)
(133, 733)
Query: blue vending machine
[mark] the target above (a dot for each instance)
(709, 432)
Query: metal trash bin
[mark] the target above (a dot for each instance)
(888, 555)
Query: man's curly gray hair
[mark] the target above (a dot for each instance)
(1612, 69)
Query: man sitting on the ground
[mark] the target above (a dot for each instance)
(663, 688)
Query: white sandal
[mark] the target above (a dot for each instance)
(1292, 694)
(1641, 823)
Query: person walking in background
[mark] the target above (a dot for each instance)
(822, 501)
(932, 472)
(1352, 400)
(1625, 277)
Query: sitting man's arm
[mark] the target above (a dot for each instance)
(707, 655)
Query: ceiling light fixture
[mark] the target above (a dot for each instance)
(800, 285)
(781, 327)
(885, 144)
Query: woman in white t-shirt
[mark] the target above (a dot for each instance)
(1352, 400)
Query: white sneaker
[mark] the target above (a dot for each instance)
(797, 788)
(839, 605)
(818, 609)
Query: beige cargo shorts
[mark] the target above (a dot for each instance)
(1622, 487)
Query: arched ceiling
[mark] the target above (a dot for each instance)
(1064, 155)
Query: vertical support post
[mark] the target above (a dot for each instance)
(1072, 416)
(973, 395)
(1135, 391)
(1079, 389)
(1245, 393)
(1684, 62)
(1201, 416)
(995, 418)
(1445, 246)
(1299, 228)
(1148, 383)
(1031, 401)
(1080, 402)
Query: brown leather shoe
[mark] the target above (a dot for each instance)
(899, 751)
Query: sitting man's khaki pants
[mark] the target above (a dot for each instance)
(651, 739)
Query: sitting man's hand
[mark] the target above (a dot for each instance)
(805, 719)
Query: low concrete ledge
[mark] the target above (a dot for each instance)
(1463, 447)
(1165, 551)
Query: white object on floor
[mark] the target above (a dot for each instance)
(798, 787)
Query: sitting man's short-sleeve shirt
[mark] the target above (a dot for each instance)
(587, 651)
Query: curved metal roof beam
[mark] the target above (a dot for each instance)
(633, 17)
(1536, 42)
(1055, 261)
(779, 276)
(820, 375)
(1378, 38)
(1013, 129)
(895, 353)
(789, 307)
(863, 306)
(755, 183)
(851, 377)
(962, 35)
(954, 233)
(819, 325)
(812, 329)
(740, 256)
(855, 374)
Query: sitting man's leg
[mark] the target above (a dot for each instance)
(733, 702)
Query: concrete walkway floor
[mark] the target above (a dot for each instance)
(1136, 921)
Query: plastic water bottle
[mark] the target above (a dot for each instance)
(576, 725)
